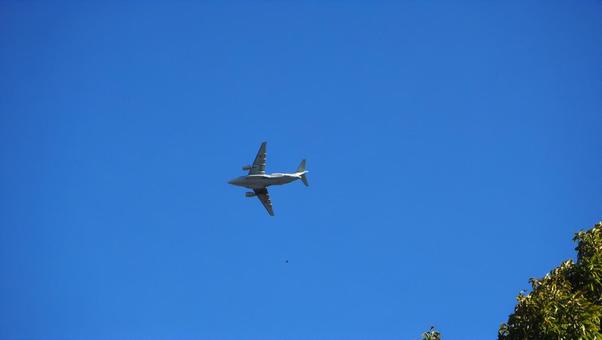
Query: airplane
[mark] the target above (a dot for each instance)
(259, 181)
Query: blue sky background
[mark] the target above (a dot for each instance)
(453, 151)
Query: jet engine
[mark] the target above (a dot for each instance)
(247, 167)
(250, 194)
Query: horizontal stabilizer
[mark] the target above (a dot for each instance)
(304, 179)
(301, 166)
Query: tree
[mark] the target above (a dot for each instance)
(431, 334)
(567, 302)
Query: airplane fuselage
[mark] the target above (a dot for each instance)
(260, 181)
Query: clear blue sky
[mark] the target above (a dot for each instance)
(453, 151)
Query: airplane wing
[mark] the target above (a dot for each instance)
(258, 166)
(264, 197)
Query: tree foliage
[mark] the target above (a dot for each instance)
(567, 302)
(431, 334)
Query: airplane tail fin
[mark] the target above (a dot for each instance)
(301, 169)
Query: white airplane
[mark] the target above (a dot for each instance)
(258, 180)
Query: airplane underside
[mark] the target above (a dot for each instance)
(258, 180)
